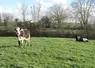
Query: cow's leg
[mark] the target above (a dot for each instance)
(22, 43)
(25, 43)
(19, 43)
(29, 40)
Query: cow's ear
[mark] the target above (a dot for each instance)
(15, 29)
(20, 28)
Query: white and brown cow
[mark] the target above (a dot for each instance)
(23, 36)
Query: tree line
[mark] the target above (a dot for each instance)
(57, 21)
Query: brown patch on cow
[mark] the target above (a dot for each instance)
(25, 33)
(21, 33)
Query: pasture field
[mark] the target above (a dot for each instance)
(47, 53)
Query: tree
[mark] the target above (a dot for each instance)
(45, 22)
(16, 22)
(0, 18)
(38, 10)
(57, 13)
(7, 17)
(35, 12)
(23, 10)
(83, 9)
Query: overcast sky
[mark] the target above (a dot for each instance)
(11, 5)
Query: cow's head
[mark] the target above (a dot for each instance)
(18, 30)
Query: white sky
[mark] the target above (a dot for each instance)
(44, 5)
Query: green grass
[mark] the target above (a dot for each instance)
(47, 53)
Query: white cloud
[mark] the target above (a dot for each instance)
(38, 0)
(8, 10)
(19, 5)
(47, 4)
(44, 6)
(1, 9)
(17, 11)
(64, 2)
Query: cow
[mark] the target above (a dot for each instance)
(23, 36)
(80, 39)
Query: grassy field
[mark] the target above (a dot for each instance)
(47, 53)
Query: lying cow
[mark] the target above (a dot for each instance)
(23, 36)
(80, 39)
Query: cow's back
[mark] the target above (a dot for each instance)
(25, 33)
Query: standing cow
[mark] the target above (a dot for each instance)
(23, 36)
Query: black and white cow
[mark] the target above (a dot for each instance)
(23, 36)
(80, 39)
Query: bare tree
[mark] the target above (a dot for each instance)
(57, 13)
(23, 10)
(83, 10)
(38, 10)
(0, 18)
(7, 16)
(35, 12)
